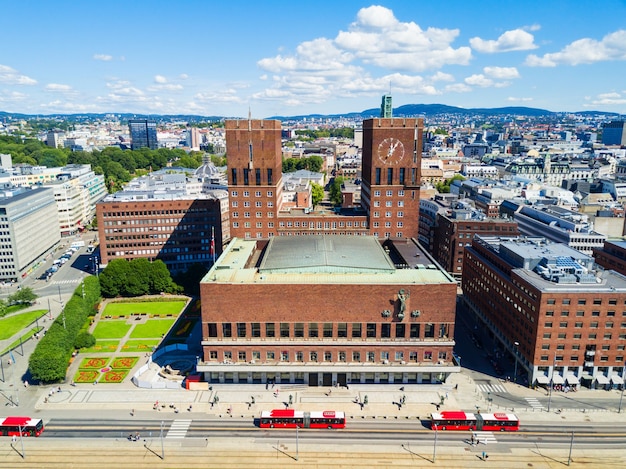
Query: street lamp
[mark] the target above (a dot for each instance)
(515, 357)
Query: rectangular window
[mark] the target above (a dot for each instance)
(299, 356)
(313, 356)
(213, 355)
(414, 333)
(371, 329)
(284, 329)
(241, 356)
(356, 330)
(328, 356)
(389, 176)
(428, 355)
(356, 357)
(385, 330)
(377, 177)
(371, 357)
(413, 356)
(328, 329)
(313, 329)
(400, 330)
(270, 179)
(257, 176)
(342, 329)
(429, 330)
(234, 177)
(246, 176)
(284, 356)
(298, 329)
(270, 330)
(227, 329)
(342, 357)
(399, 356)
(241, 329)
(256, 355)
(402, 173)
(212, 329)
(270, 356)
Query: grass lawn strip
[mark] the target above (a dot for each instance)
(103, 346)
(153, 328)
(111, 329)
(159, 308)
(140, 345)
(13, 324)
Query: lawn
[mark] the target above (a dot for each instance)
(13, 324)
(103, 346)
(153, 328)
(154, 308)
(99, 369)
(140, 345)
(115, 329)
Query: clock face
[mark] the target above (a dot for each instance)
(390, 151)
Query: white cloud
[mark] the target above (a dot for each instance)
(58, 87)
(440, 76)
(166, 87)
(514, 99)
(103, 57)
(10, 76)
(160, 79)
(12, 97)
(516, 39)
(479, 80)
(458, 88)
(183, 76)
(501, 73)
(607, 99)
(584, 51)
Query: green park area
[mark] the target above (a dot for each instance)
(14, 323)
(127, 327)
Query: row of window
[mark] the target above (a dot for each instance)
(579, 313)
(591, 335)
(575, 358)
(257, 204)
(257, 176)
(583, 301)
(388, 214)
(247, 194)
(325, 356)
(329, 330)
(592, 325)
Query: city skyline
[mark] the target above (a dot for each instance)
(284, 58)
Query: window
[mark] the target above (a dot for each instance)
(371, 329)
(414, 333)
(580, 314)
(551, 301)
(597, 301)
(328, 329)
(313, 356)
(594, 325)
(284, 329)
(548, 324)
(443, 355)
(299, 356)
(241, 356)
(582, 302)
(328, 356)
(549, 313)
(562, 335)
(385, 331)
(228, 356)
(213, 329)
(256, 355)
(342, 356)
(566, 301)
(384, 355)
(356, 357)
(298, 329)
(213, 355)
(313, 329)
(284, 356)
(227, 329)
(413, 356)
(399, 356)
(565, 313)
(577, 336)
(563, 324)
(429, 330)
(342, 329)
(356, 330)
(400, 330)
(578, 325)
(269, 329)
(270, 356)
(241, 329)
(547, 335)
(428, 355)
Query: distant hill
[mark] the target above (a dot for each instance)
(407, 110)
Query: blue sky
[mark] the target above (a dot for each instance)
(303, 57)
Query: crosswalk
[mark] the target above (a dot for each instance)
(179, 428)
(534, 402)
(496, 388)
(484, 437)
(67, 282)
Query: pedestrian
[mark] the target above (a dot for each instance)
(132, 412)
(456, 386)
(14, 439)
(472, 440)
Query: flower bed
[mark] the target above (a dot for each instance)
(124, 363)
(114, 376)
(93, 363)
(86, 376)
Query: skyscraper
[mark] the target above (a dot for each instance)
(386, 108)
(143, 134)
(614, 133)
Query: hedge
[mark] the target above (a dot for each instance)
(49, 362)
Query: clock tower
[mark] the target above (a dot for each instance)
(392, 151)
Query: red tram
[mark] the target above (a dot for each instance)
(459, 420)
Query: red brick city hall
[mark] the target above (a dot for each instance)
(327, 309)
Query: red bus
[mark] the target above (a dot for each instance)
(10, 426)
(289, 418)
(458, 420)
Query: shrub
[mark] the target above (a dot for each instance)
(84, 340)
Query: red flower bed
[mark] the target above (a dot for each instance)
(95, 363)
(124, 363)
(86, 376)
(114, 376)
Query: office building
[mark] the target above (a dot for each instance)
(551, 308)
(143, 134)
(614, 133)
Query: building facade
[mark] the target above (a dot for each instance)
(556, 313)
(389, 189)
(321, 310)
(614, 133)
(29, 228)
(143, 134)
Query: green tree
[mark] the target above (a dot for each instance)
(138, 280)
(334, 190)
(317, 193)
(114, 277)
(24, 295)
(84, 340)
(160, 279)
